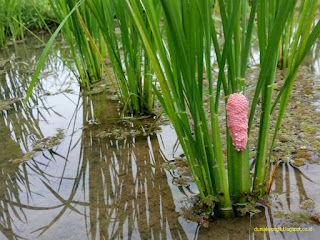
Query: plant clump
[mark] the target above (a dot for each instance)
(201, 210)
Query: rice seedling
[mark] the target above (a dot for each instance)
(292, 28)
(16, 16)
(129, 60)
(180, 63)
(180, 73)
(37, 15)
(102, 28)
(2, 32)
(303, 40)
(84, 54)
(2, 25)
(9, 9)
(47, 49)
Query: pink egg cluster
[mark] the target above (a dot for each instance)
(237, 113)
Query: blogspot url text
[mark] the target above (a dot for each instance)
(283, 229)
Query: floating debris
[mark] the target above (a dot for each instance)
(6, 104)
(168, 166)
(67, 90)
(5, 61)
(284, 138)
(296, 219)
(97, 90)
(200, 210)
(93, 122)
(25, 158)
(251, 207)
(307, 204)
(41, 145)
(298, 162)
(181, 172)
(48, 142)
(103, 134)
(45, 74)
(113, 97)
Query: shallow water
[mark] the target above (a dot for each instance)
(90, 187)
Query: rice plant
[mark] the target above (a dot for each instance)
(181, 62)
(292, 31)
(130, 61)
(107, 24)
(303, 39)
(2, 28)
(9, 9)
(83, 52)
(18, 15)
(101, 29)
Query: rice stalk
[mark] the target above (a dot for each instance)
(128, 57)
(85, 58)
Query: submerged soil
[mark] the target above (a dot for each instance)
(68, 174)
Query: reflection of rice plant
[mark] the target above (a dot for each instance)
(17, 128)
(127, 191)
(121, 183)
(126, 188)
(10, 201)
(15, 181)
(23, 122)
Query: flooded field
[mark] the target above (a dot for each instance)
(66, 173)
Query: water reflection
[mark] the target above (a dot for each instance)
(313, 58)
(122, 185)
(128, 190)
(20, 126)
(19, 64)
